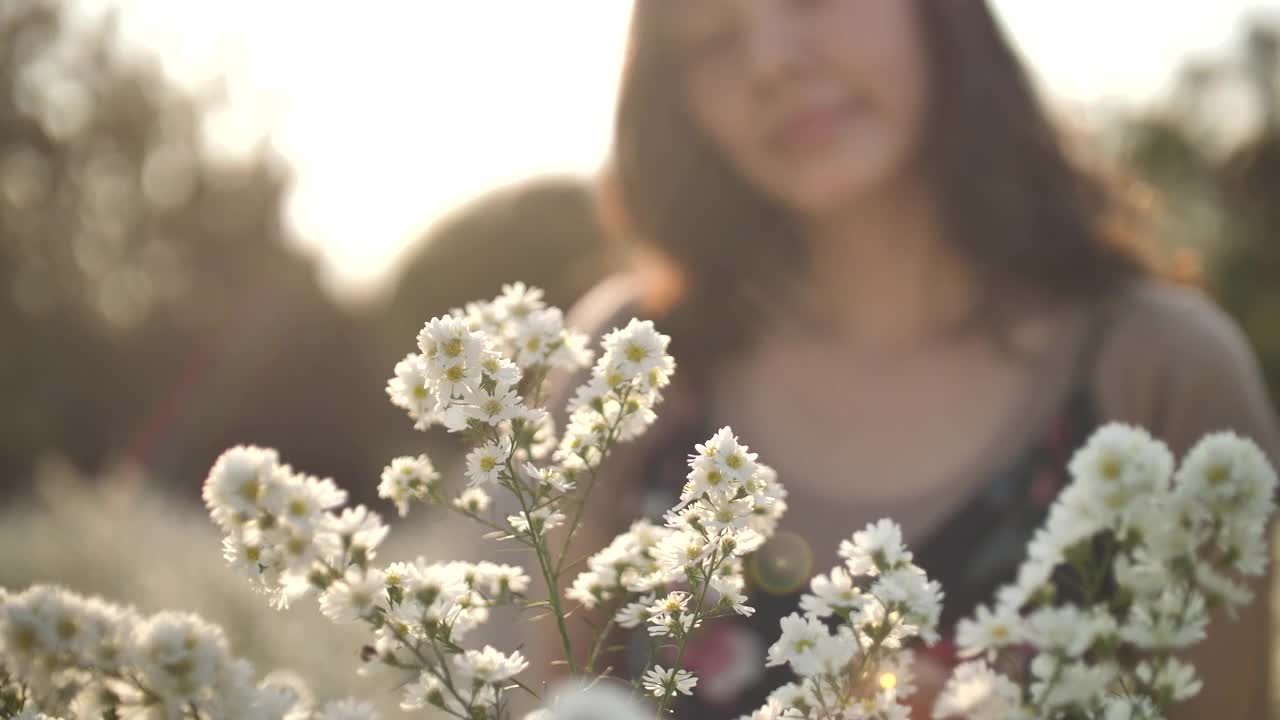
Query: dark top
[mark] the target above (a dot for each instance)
(974, 553)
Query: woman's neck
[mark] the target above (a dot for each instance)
(883, 277)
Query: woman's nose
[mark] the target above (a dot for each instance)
(774, 42)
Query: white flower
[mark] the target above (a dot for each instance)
(538, 336)
(681, 549)
(353, 596)
(357, 528)
(590, 587)
(987, 632)
(178, 655)
(413, 391)
(1129, 707)
(473, 500)
(572, 352)
(634, 613)
(549, 476)
(1122, 462)
(632, 352)
(1168, 621)
(1171, 678)
(830, 656)
(486, 463)
(793, 695)
(300, 500)
(499, 580)
(1228, 475)
(238, 481)
(831, 593)
(348, 709)
(517, 302)
(770, 502)
(1061, 683)
(492, 407)
(1221, 588)
(490, 666)
(719, 467)
(544, 519)
(729, 587)
(662, 682)
(1065, 630)
(406, 479)
(427, 691)
(497, 368)
(976, 692)
(910, 592)
(446, 341)
(799, 641)
(481, 316)
(876, 549)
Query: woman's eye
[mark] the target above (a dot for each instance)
(709, 42)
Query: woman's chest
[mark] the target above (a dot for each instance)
(908, 440)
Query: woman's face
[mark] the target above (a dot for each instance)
(817, 103)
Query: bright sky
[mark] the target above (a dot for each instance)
(433, 101)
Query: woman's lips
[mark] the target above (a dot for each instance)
(811, 129)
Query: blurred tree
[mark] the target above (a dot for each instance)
(1220, 182)
(1249, 275)
(542, 231)
(150, 308)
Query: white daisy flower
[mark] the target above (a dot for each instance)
(635, 613)
(799, 640)
(492, 407)
(238, 480)
(987, 632)
(662, 682)
(354, 596)
(831, 593)
(407, 479)
(977, 692)
(486, 463)
(1171, 678)
(490, 666)
(473, 500)
(876, 549)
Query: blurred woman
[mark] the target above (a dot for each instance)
(879, 264)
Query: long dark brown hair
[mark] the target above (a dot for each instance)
(1029, 220)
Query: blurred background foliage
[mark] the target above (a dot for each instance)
(153, 312)
(1217, 194)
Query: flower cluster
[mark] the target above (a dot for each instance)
(287, 533)
(474, 364)
(617, 402)
(1133, 557)
(479, 371)
(849, 647)
(282, 528)
(64, 654)
(674, 578)
(1121, 578)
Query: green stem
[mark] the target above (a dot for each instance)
(716, 559)
(605, 447)
(544, 564)
(601, 638)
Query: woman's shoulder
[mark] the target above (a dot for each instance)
(1165, 333)
(1171, 360)
(610, 303)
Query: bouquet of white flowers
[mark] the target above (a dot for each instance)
(1132, 558)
